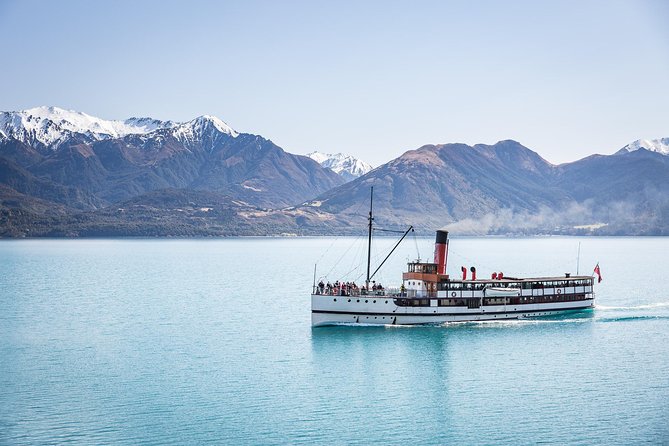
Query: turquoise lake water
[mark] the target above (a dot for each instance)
(209, 341)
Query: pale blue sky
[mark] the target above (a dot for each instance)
(374, 79)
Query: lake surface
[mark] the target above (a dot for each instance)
(209, 341)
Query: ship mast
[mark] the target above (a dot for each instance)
(369, 241)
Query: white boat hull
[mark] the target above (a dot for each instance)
(381, 310)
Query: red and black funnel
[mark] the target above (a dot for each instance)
(441, 251)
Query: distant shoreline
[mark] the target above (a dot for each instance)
(229, 237)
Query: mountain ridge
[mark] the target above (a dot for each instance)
(76, 185)
(49, 126)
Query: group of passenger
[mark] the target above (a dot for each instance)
(343, 288)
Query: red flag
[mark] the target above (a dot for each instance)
(599, 274)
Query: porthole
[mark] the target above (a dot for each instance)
(349, 300)
(373, 302)
(386, 301)
(366, 301)
(374, 317)
(358, 301)
(335, 300)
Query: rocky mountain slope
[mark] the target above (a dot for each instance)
(436, 184)
(627, 191)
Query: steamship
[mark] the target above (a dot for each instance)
(429, 296)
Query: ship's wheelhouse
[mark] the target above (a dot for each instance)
(421, 280)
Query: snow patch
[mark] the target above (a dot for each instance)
(653, 145)
(592, 227)
(347, 166)
(254, 189)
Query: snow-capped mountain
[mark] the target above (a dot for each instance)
(49, 127)
(81, 161)
(347, 166)
(653, 145)
(201, 128)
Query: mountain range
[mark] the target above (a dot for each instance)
(111, 161)
(66, 173)
(507, 188)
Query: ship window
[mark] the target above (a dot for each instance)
(335, 300)
(414, 302)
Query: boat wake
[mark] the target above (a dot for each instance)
(645, 317)
(602, 313)
(593, 318)
(643, 312)
(521, 322)
(634, 307)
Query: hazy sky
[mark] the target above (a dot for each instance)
(374, 79)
